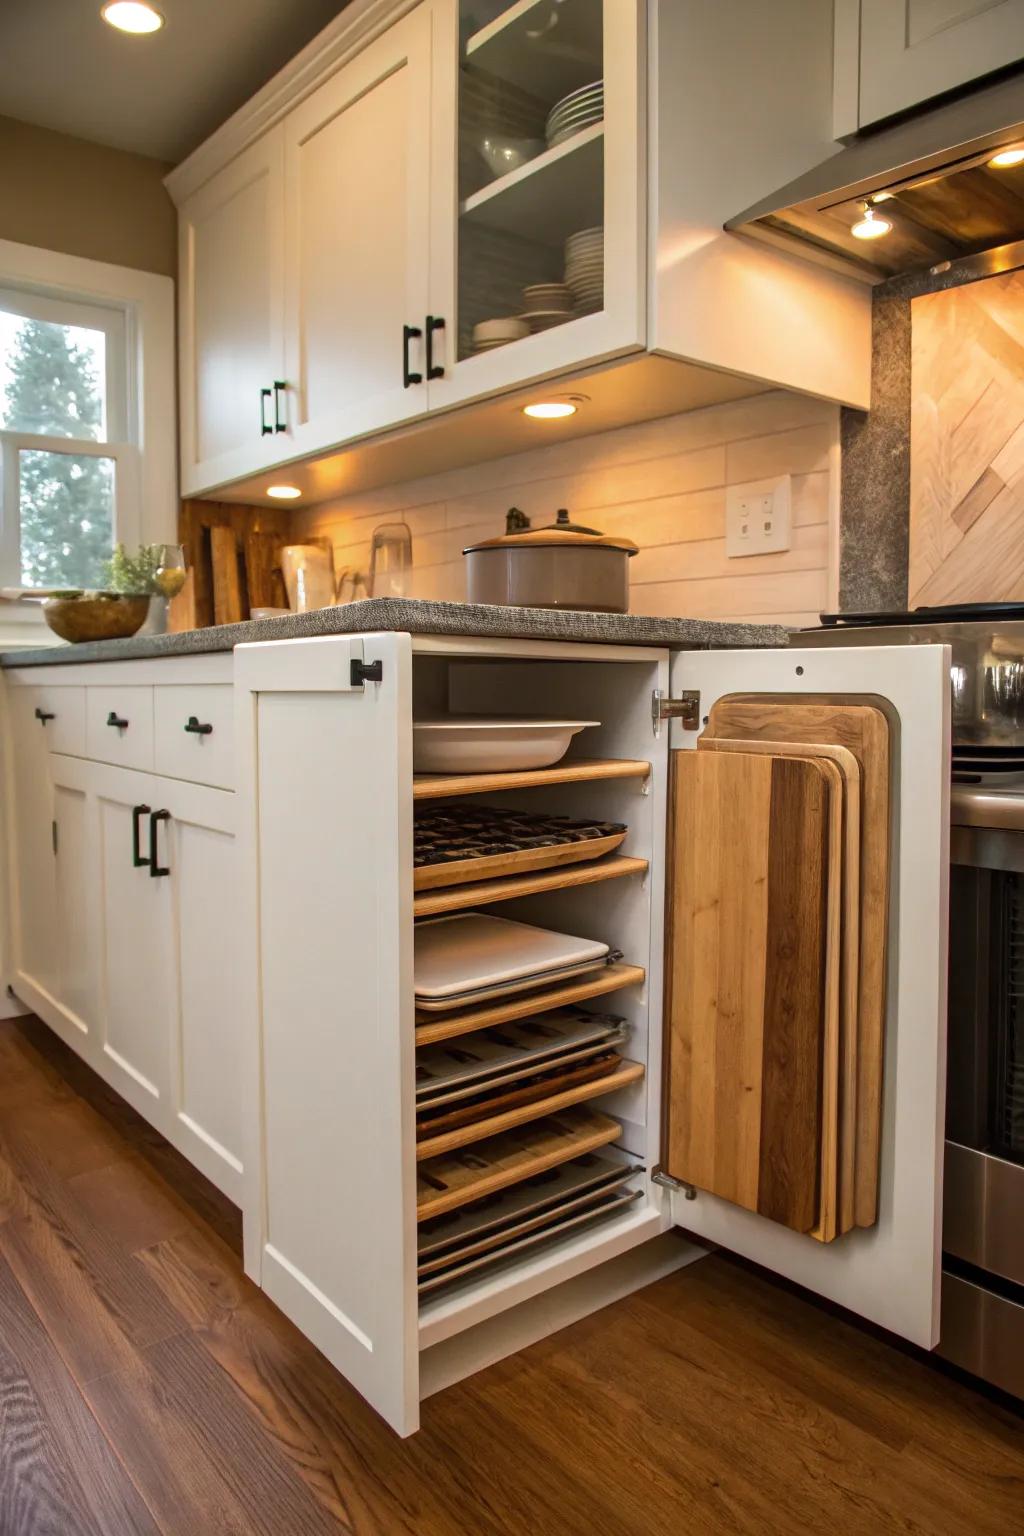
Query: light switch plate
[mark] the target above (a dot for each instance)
(758, 517)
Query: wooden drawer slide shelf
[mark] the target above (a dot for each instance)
(455, 1178)
(483, 892)
(493, 1125)
(435, 786)
(523, 1005)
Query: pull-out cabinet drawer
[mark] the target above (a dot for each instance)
(59, 715)
(194, 733)
(119, 726)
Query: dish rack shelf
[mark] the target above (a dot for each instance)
(613, 978)
(457, 898)
(436, 786)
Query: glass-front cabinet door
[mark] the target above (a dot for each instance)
(539, 191)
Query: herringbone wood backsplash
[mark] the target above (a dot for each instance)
(967, 443)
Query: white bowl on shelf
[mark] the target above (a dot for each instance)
(507, 328)
(478, 744)
(502, 154)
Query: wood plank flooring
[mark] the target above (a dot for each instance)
(147, 1389)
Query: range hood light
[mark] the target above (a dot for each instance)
(871, 226)
(1006, 158)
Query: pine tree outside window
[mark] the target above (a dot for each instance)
(69, 460)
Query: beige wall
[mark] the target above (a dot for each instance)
(84, 199)
(662, 483)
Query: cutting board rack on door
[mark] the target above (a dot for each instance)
(772, 979)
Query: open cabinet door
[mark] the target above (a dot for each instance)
(758, 966)
(325, 838)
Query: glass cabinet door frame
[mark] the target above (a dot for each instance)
(618, 328)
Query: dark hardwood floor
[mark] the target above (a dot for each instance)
(146, 1387)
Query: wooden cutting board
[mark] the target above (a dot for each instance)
(846, 789)
(863, 728)
(748, 980)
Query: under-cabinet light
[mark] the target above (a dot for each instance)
(1007, 157)
(283, 492)
(871, 226)
(554, 410)
(132, 16)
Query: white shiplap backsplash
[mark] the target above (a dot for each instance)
(661, 483)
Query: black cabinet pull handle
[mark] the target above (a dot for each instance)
(155, 867)
(138, 811)
(409, 333)
(43, 715)
(265, 428)
(115, 720)
(434, 371)
(279, 388)
(194, 728)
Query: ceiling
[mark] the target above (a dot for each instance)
(63, 67)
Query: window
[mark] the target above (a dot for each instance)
(69, 469)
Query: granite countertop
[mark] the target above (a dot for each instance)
(418, 617)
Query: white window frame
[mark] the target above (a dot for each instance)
(51, 283)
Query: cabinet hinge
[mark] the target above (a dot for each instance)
(659, 1176)
(53, 835)
(362, 672)
(685, 709)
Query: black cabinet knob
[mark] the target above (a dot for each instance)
(409, 333)
(197, 728)
(266, 427)
(116, 721)
(434, 371)
(42, 715)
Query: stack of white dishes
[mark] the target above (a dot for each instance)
(546, 304)
(575, 112)
(584, 269)
(497, 333)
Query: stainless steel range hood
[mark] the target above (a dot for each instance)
(930, 178)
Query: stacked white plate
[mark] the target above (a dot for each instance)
(546, 304)
(497, 333)
(575, 112)
(584, 269)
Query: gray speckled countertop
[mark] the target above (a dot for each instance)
(419, 618)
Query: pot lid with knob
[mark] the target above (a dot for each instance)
(561, 532)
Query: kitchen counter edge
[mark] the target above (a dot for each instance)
(419, 617)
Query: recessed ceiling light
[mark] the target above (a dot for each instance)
(283, 492)
(871, 226)
(1006, 158)
(554, 410)
(132, 16)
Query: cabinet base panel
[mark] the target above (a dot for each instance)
(443, 1364)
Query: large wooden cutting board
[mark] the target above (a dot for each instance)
(748, 983)
(846, 805)
(862, 727)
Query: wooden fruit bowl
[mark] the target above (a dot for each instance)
(95, 615)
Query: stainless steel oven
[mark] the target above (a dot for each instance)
(983, 1204)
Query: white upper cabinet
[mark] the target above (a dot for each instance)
(912, 50)
(357, 194)
(540, 112)
(231, 254)
(481, 195)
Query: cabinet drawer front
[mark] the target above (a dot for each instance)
(194, 733)
(58, 714)
(119, 726)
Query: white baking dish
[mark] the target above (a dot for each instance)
(470, 952)
(478, 744)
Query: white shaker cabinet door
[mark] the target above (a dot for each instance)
(135, 919)
(888, 1272)
(234, 403)
(912, 50)
(357, 162)
(326, 871)
(36, 947)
